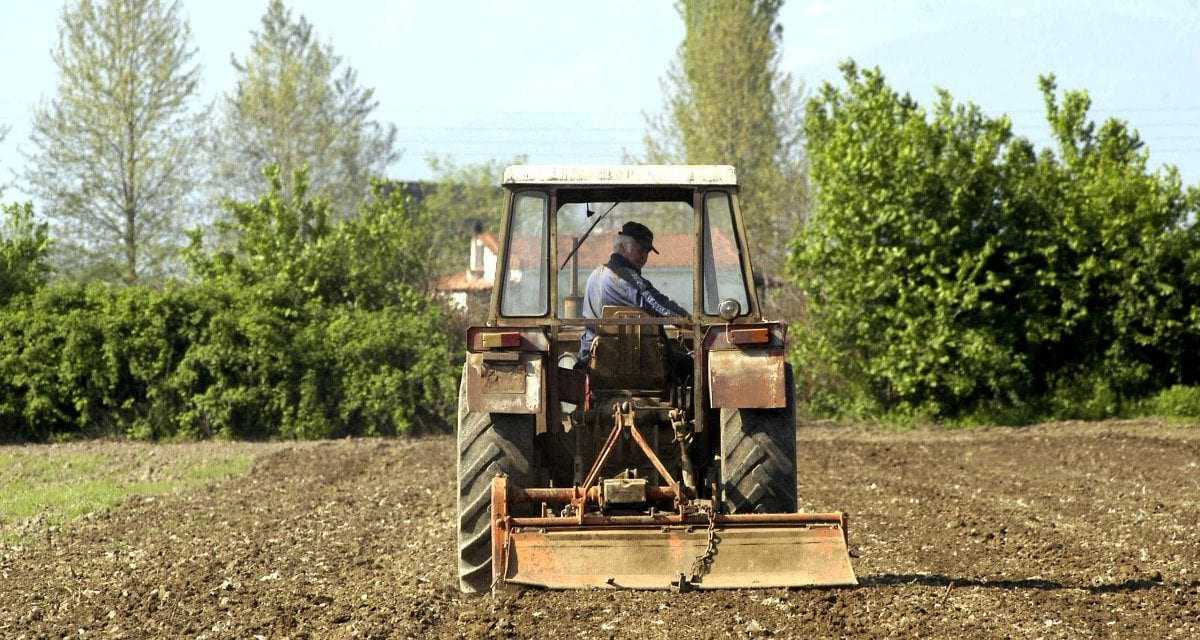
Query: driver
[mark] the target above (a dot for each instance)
(620, 282)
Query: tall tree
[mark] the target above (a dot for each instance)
(3, 134)
(114, 158)
(728, 102)
(292, 107)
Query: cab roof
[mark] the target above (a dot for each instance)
(622, 175)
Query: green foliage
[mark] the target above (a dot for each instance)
(949, 267)
(376, 258)
(356, 349)
(295, 106)
(302, 329)
(1177, 401)
(115, 150)
(23, 248)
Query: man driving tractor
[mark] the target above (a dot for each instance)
(620, 282)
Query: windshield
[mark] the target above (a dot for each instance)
(670, 270)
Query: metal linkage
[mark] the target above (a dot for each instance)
(624, 414)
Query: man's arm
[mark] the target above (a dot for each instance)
(653, 300)
(657, 302)
(629, 288)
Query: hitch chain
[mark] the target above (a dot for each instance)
(704, 561)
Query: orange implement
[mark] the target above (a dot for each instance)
(666, 550)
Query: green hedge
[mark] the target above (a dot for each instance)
(295, 329)
(953, 269)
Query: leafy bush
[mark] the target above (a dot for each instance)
(300, 329)
(950, 267)
(1087, 396)
(1177, 401)
(24, 245)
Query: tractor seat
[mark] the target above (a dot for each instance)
(628, 356)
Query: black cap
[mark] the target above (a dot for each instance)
(639, 232)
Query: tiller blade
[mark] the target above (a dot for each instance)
(665, 550)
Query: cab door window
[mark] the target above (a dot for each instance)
(722, 255)
(525, 291)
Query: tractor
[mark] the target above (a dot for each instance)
(619, 448)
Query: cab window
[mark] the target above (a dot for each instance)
(580, 224)
(525, 290)
(723, 277)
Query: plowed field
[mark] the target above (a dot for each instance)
(1065, 530)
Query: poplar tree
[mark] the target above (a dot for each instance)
(727, 102)
(296, 105)
(3, 134)
(114, 152)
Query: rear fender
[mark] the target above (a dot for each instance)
(505, 370)
(745, 366)
(506, 382)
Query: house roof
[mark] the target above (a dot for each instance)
(629, 174)
(675, 250)
(489, 241)
(463, 281)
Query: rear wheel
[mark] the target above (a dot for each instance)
(758, 457)
(488, 444)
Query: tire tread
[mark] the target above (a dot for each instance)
(488, 445)
(758, 458)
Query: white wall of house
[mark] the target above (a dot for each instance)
(489, 265)
(483, 260)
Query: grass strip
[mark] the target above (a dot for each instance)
(46, 485)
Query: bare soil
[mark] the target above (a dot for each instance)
(1063, 530)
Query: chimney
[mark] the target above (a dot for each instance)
(477, 250)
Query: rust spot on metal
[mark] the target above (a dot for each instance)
(500, 528)
(750, 556)
(566, 495)
(747, 379)
(501, 378)
(754, 335)
(505, 382)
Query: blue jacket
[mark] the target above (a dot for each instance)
(619, 283)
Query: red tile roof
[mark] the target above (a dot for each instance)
(463, 281)
(675, 250)
(489, 241)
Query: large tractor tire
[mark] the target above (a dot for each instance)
(488, 444)
(758, 457)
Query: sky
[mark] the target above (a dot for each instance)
(572, 81)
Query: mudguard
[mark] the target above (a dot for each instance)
(746, 366)
(506, 382)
